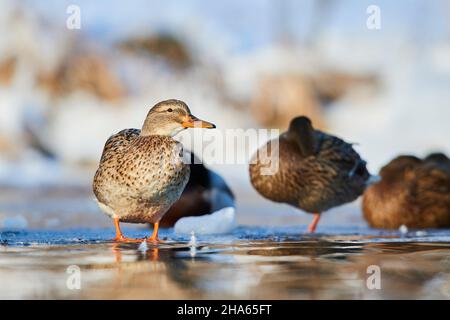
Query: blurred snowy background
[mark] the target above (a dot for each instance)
(239, 64)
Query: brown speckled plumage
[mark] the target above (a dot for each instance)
(317, 171)
(142, 172)
(412, 192)
(139, 178)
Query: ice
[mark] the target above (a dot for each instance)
(219, 222)
(193, 245)
(143, 246)
(403, 229)
(14, 223)
(193, 241)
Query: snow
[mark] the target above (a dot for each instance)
(33, 170)
(403, 229)
(193, 240)
(408, 113)
(219, 222)
(421, 233)
(143, 247)
(193, 245)
(16, 222)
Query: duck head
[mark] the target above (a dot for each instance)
(437, 157)
(301, 132)
(167, 118)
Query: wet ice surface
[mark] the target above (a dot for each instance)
(47, 231)
(252, 262)
(27, 238)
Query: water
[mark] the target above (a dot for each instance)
(251, 263)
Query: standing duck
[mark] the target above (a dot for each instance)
(142, 172)
(316, 171)
(413, 192)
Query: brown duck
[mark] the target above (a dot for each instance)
(205, 192)
(316, 171)
(143, 172)
(412, 192)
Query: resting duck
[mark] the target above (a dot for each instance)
(412, 192)
(205, 192)
(142, 172)
(316, 171)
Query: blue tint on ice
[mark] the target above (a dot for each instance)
(241, 233)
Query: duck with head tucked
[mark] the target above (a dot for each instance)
(413, 192)
(316, 171)
(205, 192)
(143, 172)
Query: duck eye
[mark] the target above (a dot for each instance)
(169, 110)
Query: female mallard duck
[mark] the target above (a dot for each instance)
(412, 192)
(205, 193)
(142, 172)
(316, 171)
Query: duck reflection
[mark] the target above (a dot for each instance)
(311, 249)
(312, 269)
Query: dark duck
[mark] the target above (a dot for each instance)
(316, 171)
(413, 192)
(205, 193)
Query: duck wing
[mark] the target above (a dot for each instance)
(119, 142)
(337, 152)
(432, 184)
(430, 194)
(115, 145)
(341, 155)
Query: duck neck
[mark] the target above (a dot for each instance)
(168, 129)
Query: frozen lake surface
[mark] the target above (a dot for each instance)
(47, 232)
(27, 238)
(250, 263)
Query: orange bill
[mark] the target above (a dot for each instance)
(194, 122)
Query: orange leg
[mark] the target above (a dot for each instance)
(117, 253)
(155, 254)
(154, 236)
(313, 225)
(119, 236)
